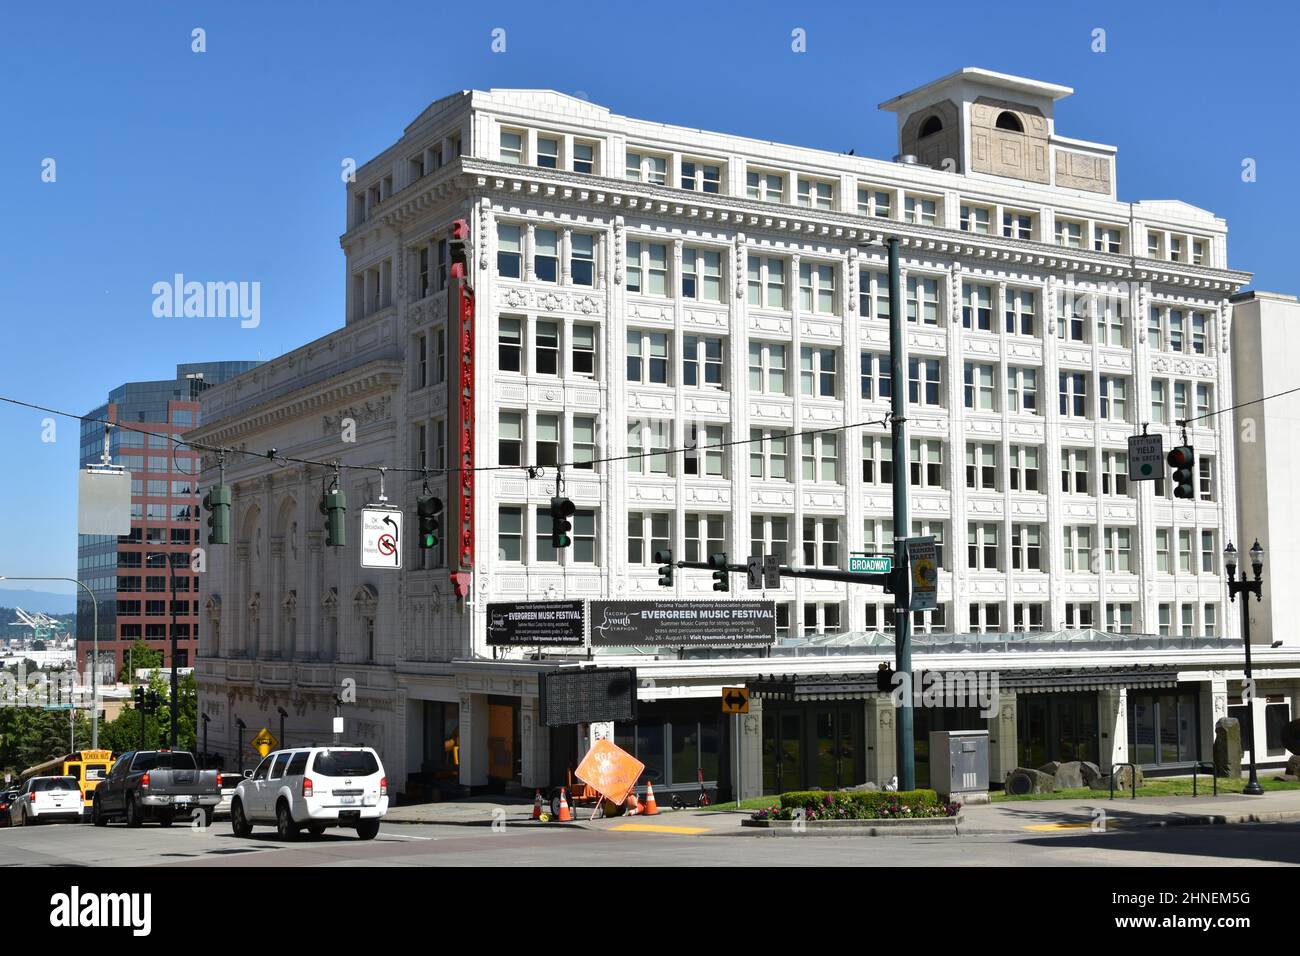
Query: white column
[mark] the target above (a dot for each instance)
(473, 740)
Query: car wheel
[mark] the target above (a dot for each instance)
(25, 821)
(97, 814)
(284, 825)
(316, 829)
(134, 816)
(368, 829)
(238, 822)
(165, 818)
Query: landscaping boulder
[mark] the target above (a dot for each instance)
(1293, 767)
(1089, 771)
(1123, 780)
(1069, 775)
(1050, 767)
(1023, 781)
(1227, 747)
(863, 787)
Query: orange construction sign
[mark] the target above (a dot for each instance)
(609, 770)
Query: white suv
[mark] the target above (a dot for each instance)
(47, 798)
(313, 788)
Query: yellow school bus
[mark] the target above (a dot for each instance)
(87, 766)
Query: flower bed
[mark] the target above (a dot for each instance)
(819, 805)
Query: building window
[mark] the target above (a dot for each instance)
(647, 357)
(1177, 329)
(769, 452)
(876, 378)
(982, 547)
(768, 187)
(1180, 401)
(926, 463)
(647, 268)
(546, 255)
(509, 254)
(706, 456)
(647, 533)
(1078, 548)
(1119, 617)
(1072, 322)
(1114, 398)
(981, 467)
(701, 275)
(510, 533)
(919, 209)
(1107, 239)
(821, 542)
(1185, 550)
(820, 454)
(1155, 329)
(1158, 403)
(510, 344)
(977, 307)
(705, 535)
(1199, 320)
(873, 202)
(931, 529)
(1074, 470)
(546, 348)
(1024, 468)
(701, 352)
(975, 219)
(1027, 617)
(1210, 621)
(1119, 547)
(1208, 552)
(873, 295)
(1022, 390)
(547, 437)
(646, 168)
(979, 388)
(817, 371)
(512, 146)
(1020, 312)
(1026, 547)
(1074, 394)
(1155, 245)
(582, 258)
(770, 534)
(820, 618)
(1078, 615)
(1017, 225)
(923, 300)
(702, 177)
(1114, 472)
(584, 537)
(584, 442)
(647, 446)
(923, 382)
(817, 288)
(985, 618)
(1069, 234)
(584, 158)
(766, 282)
(815, 194)
(877, 460)
(1163, 564)
(583, 349)
(1110, 321)
(767, 368)
(548, 153)
(1205, 478)
(878, 536)
(510, 439)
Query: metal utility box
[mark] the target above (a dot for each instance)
(959, 764)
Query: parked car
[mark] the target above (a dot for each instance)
(228, 782)
(313, 788)
(7, 798)
(46, 798)
(155, 785)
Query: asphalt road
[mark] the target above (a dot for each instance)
(461, 845)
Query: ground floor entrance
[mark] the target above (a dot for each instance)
(1058, 726)
(812, 746)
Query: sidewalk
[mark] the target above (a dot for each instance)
(1125, 813)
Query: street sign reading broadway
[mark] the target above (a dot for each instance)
(683, 623)
(535, 624)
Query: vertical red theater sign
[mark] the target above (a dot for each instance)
(461, 483)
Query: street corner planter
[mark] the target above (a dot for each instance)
(931, 826)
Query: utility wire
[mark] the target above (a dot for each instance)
(274, 455)
(1230, 408)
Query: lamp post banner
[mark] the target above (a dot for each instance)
(683, 623)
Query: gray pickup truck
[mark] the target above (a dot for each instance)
(155, 785)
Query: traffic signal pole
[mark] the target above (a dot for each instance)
(905, 746)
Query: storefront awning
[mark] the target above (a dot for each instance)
(1088, 678)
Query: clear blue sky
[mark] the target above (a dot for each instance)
(225, 165)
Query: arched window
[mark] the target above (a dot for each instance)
(1010, 121)
(931, 126)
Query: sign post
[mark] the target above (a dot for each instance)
(871, 563)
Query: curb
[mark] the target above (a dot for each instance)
(932, 826)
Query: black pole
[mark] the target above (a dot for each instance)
(176, 700)
(205, 735)
(239, 753)
(1252, 787)
(902, 524)
(282, 743)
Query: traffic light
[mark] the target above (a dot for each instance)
(1181, 459)
(665, 561)
(561, 510)
(139, 698)
(429, 508)
(720, 577)
(458, 248)
(217, 504)
(334, 506)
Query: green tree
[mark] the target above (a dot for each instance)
(140, 655)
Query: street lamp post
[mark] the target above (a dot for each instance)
(283, 714)
(175, 691)
(1255, 587)
(94, 667)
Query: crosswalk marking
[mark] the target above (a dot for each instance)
(660, 828)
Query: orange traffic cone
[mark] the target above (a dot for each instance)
(651, 808)
(537, 806)
(565, 816)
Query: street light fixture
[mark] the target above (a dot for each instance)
(1255, 587)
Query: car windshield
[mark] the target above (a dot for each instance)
(55, 783)
(346, 763)
(161, 760)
